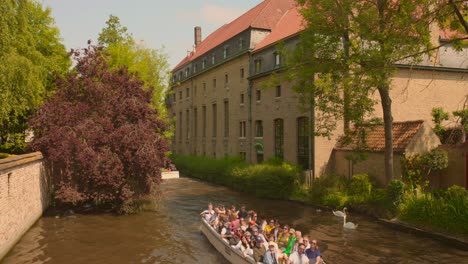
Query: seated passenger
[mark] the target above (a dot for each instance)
(292, 239)
(226, 233)
(313, 253)
(244, 246)
(269, 227)
(242, 212)
(277, 230)
(243, 224)
(271, 256)
(283, 238)
(259, 250)
(208, 213)
(299, 257)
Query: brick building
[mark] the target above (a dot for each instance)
(221, 107)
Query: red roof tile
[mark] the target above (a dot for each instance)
(263, 16)
(403, 133)
(290, 24)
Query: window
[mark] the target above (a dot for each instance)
(303, 142)
(258, 95)
(242, 73)
(279, 138)
(180, 95)
(175, 97)
(180, 76)
(187, 92)
(174, 78)
(278, 91)
(259, 128)
(214, 83)
(242, 129)
(242, 98)
(215, 124)
(226, 78)
(195, 68)
(226, 118)
(204, 121)
(195, 122)
(226, 52)
(213, 58)
(180, 126)
(277, 59)
(187, 122)
(241, 43)
(203, 63)
(243, 155)
(187, 72)
(258, 65)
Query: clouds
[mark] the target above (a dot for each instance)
(217, 14)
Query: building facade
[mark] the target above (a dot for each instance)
(222, 103)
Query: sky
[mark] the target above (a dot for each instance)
(159, 24)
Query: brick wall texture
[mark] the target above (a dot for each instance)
(24, 195)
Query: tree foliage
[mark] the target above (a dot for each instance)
(353, 47)
(150, 65)
(31, 54)
(100, 135)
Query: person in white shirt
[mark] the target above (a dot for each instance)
(299, 257)
(208, 213)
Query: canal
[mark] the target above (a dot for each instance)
(171, 234)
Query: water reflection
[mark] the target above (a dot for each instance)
(171, 235)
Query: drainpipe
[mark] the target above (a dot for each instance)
(249, 120)
(312, 132)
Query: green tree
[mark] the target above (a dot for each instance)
(32, 54)
(359, 44)
(150, 65)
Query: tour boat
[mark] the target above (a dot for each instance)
(169, 175)
(231, 254)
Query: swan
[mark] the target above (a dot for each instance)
(348, 225)
(340, 213)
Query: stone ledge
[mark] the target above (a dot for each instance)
(11, 162)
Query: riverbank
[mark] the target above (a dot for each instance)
(387, 205)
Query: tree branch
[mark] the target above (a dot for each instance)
(459, 15)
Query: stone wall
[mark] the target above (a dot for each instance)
(24, 195)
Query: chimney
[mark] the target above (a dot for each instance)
(197, 36)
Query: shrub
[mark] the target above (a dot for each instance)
(395, 192)
(103, 139)
(360, 185)
(4, 155)
(262, 180)
(446, 212)
(335, 200)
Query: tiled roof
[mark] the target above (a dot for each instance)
(403, 133)
(290, 24)
(447, 34)
(263, 16)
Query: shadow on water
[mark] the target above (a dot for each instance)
(172, 235)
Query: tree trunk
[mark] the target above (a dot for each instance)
(346, 88)
(388, 125)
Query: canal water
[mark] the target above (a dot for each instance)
(171, 234)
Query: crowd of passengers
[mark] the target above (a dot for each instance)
(265, 241)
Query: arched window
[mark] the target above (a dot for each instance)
(279, 138)
(303, 142)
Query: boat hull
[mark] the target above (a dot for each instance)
(232, 255)
(169, 175)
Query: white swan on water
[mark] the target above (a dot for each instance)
(340, 213)
(348, 225)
